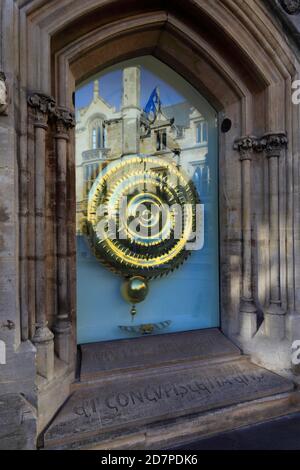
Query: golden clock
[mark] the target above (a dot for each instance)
(141, 215)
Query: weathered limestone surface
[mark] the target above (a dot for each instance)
(288, 11)
(248, 312)
(64, 121)
(109, 357)
(17, 423)
(135, 401)
(17, 374)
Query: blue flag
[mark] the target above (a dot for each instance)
(153, 103)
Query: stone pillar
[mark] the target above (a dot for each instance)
(64, 121)
(274, 145)
(248, 312)
(42, 106)
(131, 110)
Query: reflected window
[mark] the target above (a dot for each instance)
(161, 140)
(201, 132)
(97, 135)
(201, 179)
(94, 139)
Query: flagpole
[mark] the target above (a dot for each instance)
(158, 97)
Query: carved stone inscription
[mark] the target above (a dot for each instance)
(142, 352)
(148, 399)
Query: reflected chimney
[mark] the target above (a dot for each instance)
(96, 90)
(131, 110)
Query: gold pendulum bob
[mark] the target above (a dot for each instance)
(134, 291)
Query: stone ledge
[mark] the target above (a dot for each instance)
(52, 394)
(188, 429)
(119, 408)
(124, 356)
(17, 423)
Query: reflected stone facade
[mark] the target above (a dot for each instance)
(100, 138)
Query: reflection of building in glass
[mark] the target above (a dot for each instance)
(104, 134)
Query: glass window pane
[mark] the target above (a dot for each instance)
(152, 195)
(94, 138)
(99, 139)
(198, 133)
(204, 132)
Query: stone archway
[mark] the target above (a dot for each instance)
(230, 51)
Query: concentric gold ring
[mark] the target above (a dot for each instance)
(141, 214)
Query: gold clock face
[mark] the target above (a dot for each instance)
(141, 214)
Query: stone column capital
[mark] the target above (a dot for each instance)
(274, 143)
(246, 145)
(64, 120)
(43, 106)
(292, 7)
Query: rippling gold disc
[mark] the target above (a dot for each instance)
(141, 214)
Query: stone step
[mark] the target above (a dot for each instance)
(109, 359)
(127, 411)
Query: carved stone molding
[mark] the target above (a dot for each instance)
(292, 7)
(246, 145)
(64, 119)
(274, 143)
(271, 143)
(3, 94)
(43, 106)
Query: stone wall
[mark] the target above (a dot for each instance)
(17, 423)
